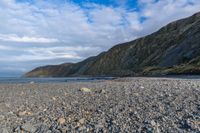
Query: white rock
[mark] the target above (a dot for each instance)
(84, 89)
(153, 123)
(82, 121)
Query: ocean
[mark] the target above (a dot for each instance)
(17, 80)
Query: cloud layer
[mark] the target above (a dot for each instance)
(44, 32)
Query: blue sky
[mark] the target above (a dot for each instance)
(114, 3)
(41, 32)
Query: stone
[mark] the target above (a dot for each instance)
(136, 94)
(157, 130)
(32, 82)
(197, 122)
(56, 131)
(42, 128)
(82, 128)
(153, 123)
(2, 117)
(82, 121)
(53, 98)
(4, 130)
(102, 91)
(64, 129)
(84, 89)
(16, 129)
(61, 120)
(28, 127)
(49, 131)
(22, 113)
(142, 87)
(100, 125)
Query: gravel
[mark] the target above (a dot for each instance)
(147, 105)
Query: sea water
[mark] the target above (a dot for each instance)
(19, 80)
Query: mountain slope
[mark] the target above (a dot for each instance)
(174, 49)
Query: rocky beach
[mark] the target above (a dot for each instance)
(136, 105)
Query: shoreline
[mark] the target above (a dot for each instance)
(61, 80)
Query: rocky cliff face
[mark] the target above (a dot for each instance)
(174, 49)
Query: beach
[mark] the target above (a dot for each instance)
(119, 105)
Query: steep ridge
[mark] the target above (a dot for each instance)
(174, 49)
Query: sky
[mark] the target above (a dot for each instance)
(41, 32)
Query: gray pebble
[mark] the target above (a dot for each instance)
(29, 128)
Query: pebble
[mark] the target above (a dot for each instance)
(61, 120)
(82, 121)
(84, 89)
(55, 131)
(42, 128)
(99, 126)
(32, 82)
(17, 129)
(103, 91)
(22, 113)
(153, 123)
(124, 108)
(142, 87)
(2, 117)
(28, 127)
(4, 130)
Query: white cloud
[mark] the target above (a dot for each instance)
(162, 12)
(146, 1)
(40, 57)
(26, 39)
(2, 47)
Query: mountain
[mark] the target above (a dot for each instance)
(174, 49)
